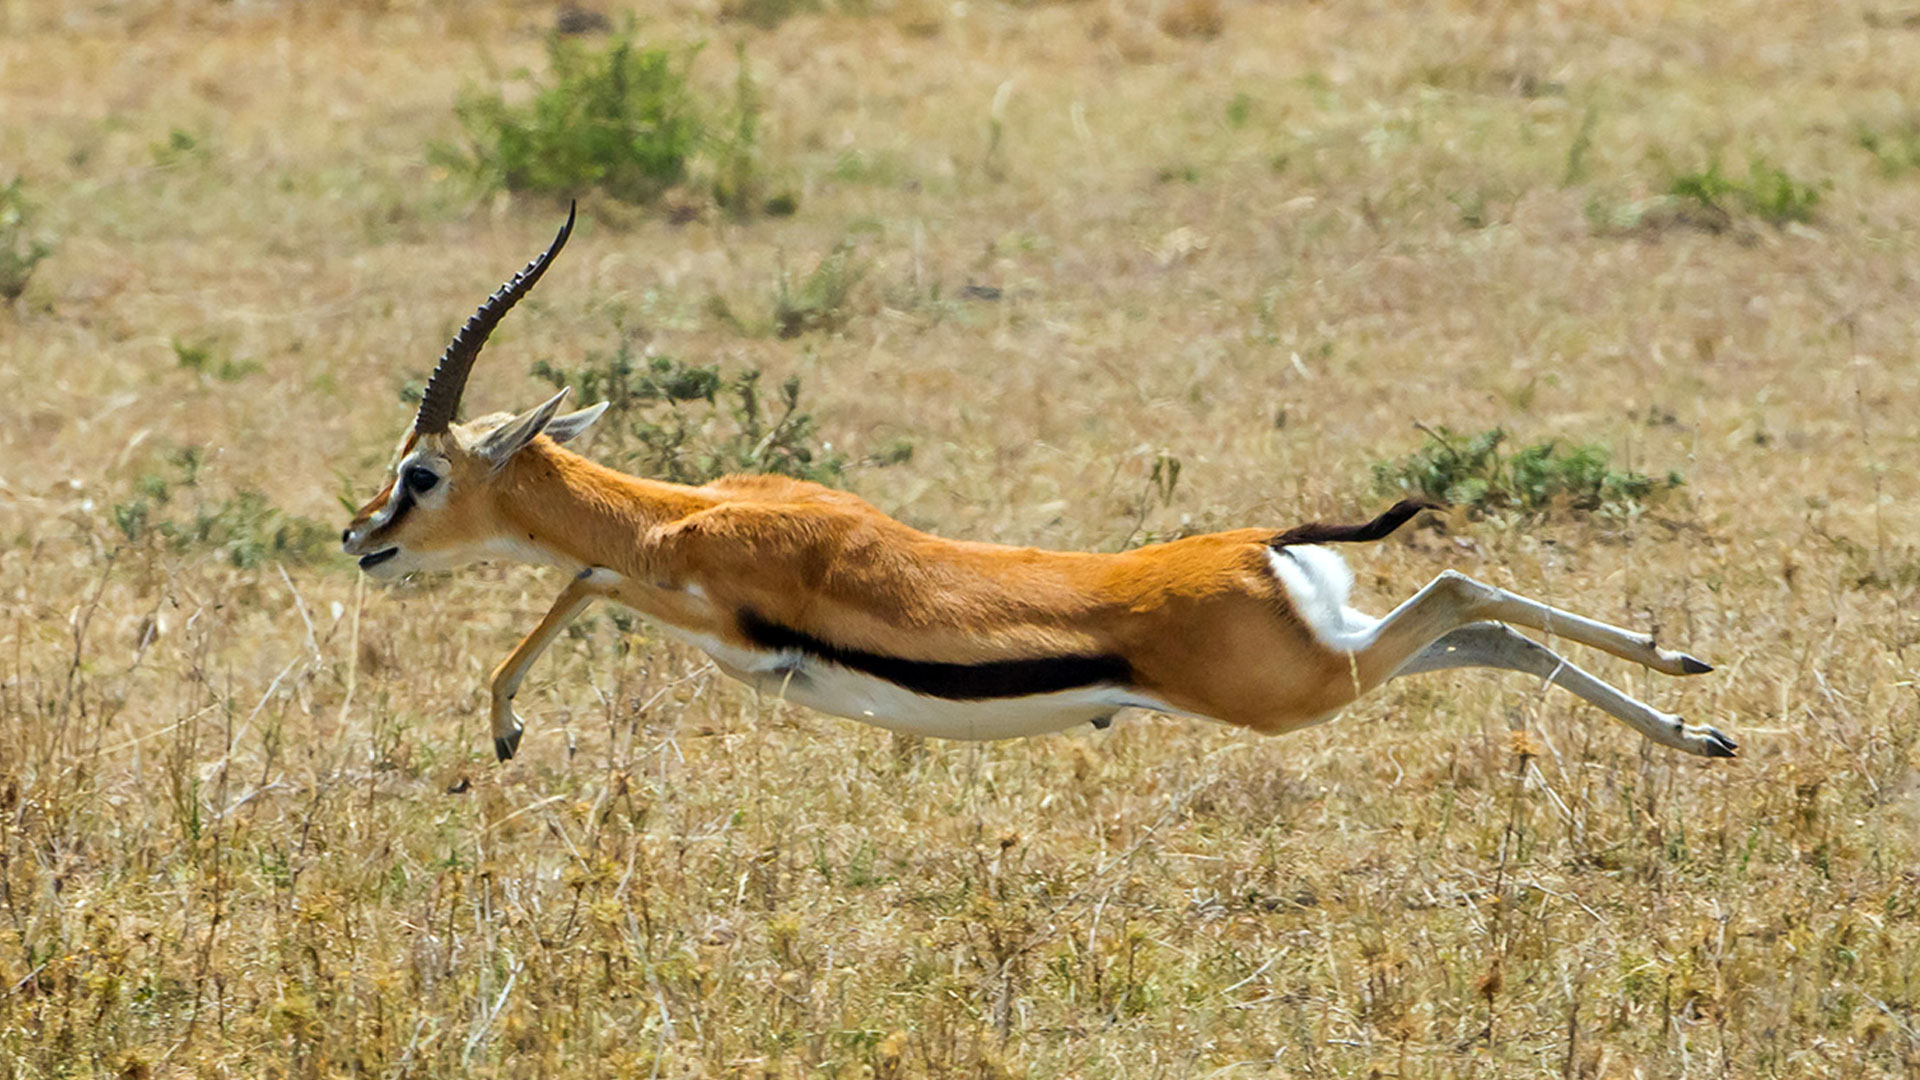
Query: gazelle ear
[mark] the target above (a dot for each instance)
(508, 439)
(567, 428)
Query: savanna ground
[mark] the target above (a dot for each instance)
(249, 820)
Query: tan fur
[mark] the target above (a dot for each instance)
(1202, 620)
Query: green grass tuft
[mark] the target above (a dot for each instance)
(1475, 470)
(822, 299)
(19, 251)
(172, 509)
(208, 357)
(691, 423)
(1896, 149)
(1769, 192)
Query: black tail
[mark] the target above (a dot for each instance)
(1322, 533)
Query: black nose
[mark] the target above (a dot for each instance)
(345, 535)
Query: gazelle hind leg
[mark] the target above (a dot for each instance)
(1452, 600)
(1493, 645)
(1488, 602)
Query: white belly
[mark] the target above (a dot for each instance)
(830, 688)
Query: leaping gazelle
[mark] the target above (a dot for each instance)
(812, 594)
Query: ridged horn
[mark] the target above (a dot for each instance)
(442, 397)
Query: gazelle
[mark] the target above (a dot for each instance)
(814, 595)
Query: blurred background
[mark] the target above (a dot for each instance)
(1631, 284)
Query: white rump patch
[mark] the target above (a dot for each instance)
(1319, 582)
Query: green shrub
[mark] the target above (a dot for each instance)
(769, 14)
(1897, 150)
(1239, 111)
(766, 14)
(622, 119)
(208, 357)
(181, 148)
(1711, 200)
(1775, 197)
(1709, 186)
(1473, 470)
(19, 253)
(691, 423)
(1769, 192)
(739, 181)
(172, 509)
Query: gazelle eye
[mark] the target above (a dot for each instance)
(421, 479)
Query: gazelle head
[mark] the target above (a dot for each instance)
(438, 508)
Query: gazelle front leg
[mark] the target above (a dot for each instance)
(1493, 645)
(574, 599)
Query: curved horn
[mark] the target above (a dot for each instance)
(442, 397)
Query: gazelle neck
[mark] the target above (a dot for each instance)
(560, 508)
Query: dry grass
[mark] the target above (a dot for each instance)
(248, 821)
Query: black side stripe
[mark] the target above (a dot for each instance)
(985, 681)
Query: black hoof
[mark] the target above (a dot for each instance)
(1718, 745)
(503, 748)
(1690, 666)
